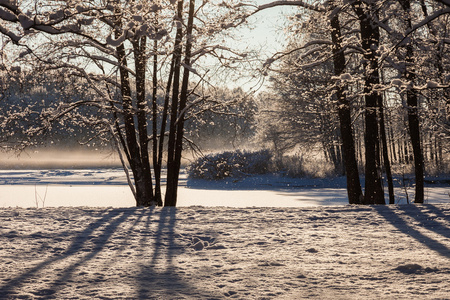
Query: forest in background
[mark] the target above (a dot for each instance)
(306, 146)
(366, 89)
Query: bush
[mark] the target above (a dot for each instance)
(299, 166)
(291, 166)
(230, 164)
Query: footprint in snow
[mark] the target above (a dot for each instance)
(271, 264)
(200, 243)
(230, 293)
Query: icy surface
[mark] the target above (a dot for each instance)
(340, 252)
(104, 187)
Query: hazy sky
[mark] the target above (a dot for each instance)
(264, 34)
(269, 28)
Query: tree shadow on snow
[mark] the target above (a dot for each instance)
(424, 219)
(106, 235)
(110, 221)
(267, 182)
(319, 197)
(160, 276)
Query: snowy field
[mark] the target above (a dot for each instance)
(266, 237)
(107, 187)
(338, 252)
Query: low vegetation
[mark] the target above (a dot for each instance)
(230, 164)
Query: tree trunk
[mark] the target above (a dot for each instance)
(130, 142)
(146, 191)
(156, 165)
(165, 114)
(392, 143)
(400, 155)
(172, 180)
(439, 153)
(414, 131)
(406, 151)
(370, 36)
(413, 117)
(386, 160)
(345, 121)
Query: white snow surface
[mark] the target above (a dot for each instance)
(107, 187)
(334, 252)
(263, 237)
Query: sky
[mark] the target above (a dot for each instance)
(265, 33)
(268, 31)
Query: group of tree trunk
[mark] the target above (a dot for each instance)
(137, 57)
(376, 58)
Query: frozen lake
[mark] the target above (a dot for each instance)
(107, 187)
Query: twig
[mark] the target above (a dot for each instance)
(36, 195)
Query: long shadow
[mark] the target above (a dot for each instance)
(266, 183)
(439, 211)
(162, 274)
(144, 212)
(407, 229)
(273, 182)
(99, 244)
(427, 221)
(113, 218)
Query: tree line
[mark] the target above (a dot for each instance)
(129, 54)
(383, 67)
(143, 71)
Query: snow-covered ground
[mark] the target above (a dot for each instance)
(265, 237)
(104, 187)
(337, 252)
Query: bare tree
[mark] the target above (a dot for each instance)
(109, 45)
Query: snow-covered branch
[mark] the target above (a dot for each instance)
(280, 55)
(14, 38)
(422, 23)
(304, 4)
(445, 2)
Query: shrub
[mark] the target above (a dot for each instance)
(230, 164)
(291, 166)
(299, 166)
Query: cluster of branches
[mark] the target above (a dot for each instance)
(132, 53)
(141, 61)
(376, 52)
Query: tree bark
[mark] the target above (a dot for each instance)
(370, 37)
(172, 180)
(165, 114)
(172, 199)
(348, 144)
(413, 117)
(146, 192)
(386, 159)
(156, 165)
(130, 142)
